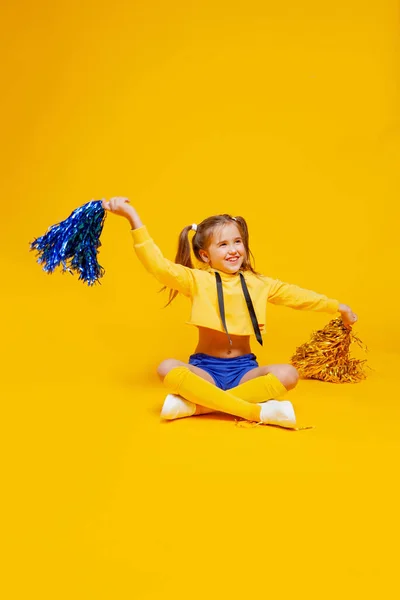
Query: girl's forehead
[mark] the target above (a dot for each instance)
(225, 232)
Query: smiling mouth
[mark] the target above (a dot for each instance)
(233, 260)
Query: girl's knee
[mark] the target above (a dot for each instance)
(167, 365)
(290, 377)
(286, 374)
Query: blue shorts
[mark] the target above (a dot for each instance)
(226, 372)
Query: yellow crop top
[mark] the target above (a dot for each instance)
(199, 285)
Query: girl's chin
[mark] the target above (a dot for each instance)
(232, 267)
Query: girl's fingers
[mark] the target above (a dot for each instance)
(350, 320)
(114, 203)
(119, 199)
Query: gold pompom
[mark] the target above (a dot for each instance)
(327, 355)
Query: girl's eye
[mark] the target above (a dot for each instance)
(238, 241)
(223, 244)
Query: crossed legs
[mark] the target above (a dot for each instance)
(198, 387)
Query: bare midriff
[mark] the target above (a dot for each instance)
(215, 343)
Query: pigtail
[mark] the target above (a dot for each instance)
(248, 265)
(183, 257)
(243, 226)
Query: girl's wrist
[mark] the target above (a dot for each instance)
(134, 220)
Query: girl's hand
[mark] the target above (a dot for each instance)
(119, 206)
(348, 317)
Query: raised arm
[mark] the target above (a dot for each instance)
(173, 275)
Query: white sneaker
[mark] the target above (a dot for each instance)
(275, 412)
(176, 407)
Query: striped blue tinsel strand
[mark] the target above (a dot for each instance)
(74, 243)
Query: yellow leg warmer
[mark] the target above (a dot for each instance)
(260, 389)
(183, 382)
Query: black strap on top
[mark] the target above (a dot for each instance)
(251, 309)
(249, 303)
(220, 294)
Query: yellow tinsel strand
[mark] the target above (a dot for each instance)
(249, 424)
(327, 355)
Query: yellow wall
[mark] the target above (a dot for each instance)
(286, 113)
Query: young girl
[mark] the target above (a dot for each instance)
(228, 305)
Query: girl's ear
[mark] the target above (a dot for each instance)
(204, 256)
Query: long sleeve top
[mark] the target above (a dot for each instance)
(200, 286)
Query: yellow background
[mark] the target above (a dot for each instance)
(287, 114)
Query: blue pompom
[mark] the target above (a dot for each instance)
(74, 243)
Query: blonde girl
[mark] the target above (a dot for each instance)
(228, 305)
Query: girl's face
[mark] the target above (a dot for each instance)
(226, 251)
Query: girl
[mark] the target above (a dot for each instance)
(228, 305)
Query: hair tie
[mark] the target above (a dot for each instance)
(234, 218)
(194, 227)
